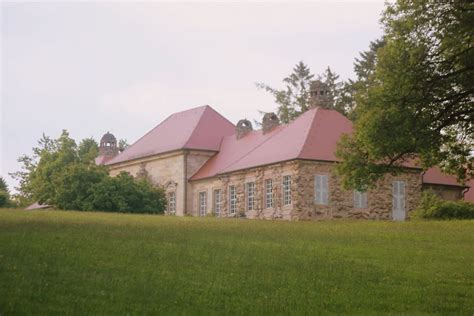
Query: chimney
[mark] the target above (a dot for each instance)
(270, 121)
(319, 95)
(243, 128)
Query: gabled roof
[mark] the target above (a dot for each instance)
(200, 128)
(435, 176)
(313, 135)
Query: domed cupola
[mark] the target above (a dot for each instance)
(108, 145)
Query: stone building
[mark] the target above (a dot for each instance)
(283, 171)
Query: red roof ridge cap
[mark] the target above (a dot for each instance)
(308, 132)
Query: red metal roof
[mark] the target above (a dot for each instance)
(313, 135)
(102, 160)
(436, 176)
(200, 128)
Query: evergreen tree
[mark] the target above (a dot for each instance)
(294, 99)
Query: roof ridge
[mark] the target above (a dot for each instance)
(308, 133)
(111, 161)
(256, 147)
(197, 123)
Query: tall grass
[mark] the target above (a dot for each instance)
(83, 263)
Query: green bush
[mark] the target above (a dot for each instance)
(4, 199)
(432, 207)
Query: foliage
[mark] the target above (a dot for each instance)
(64, 175)
(115, 264)
(419, 102)
(3, 185)
(4, 193)
(122, 145)
(4, 199)
(294, 99)
(432, 207)
(124, 194)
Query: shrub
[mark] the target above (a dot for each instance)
(4, 199)
(432, 207)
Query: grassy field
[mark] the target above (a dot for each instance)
(55, 262)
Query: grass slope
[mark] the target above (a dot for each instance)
(83, 263)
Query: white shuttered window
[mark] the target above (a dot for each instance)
(360, 199)
(398, 193)
(321, 188)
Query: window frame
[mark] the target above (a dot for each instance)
(217, 201)
(202, 206)
(171, 211)
(232, 199)
(268, 193)
(286, 190)
(250, 195)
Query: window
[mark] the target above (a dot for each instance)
(360, 199)
(321, 188)
(172, 203)
(232, 200)
(287, 190)
(398, 190)
(202, 203)
(268, 193)
(250, 190)
(217, 202)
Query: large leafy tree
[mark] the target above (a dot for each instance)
(64, 175)
(294, 99)
(419, 102)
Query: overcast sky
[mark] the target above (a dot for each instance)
(124, 67)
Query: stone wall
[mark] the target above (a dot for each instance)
(165, 170)
(446, 192)
(170, 170)
(341, 202)
(239, 180)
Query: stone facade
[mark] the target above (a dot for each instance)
(303, 206)
(446, 192)
(170, 170)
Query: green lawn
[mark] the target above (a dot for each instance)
(55, 262)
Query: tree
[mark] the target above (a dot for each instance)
(122, 145)
(126, 194)
(294, 99)
(64, 175)
(88, 150)
(355, 91)
(418, 105)
(4, 193)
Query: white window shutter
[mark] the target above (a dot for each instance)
(325, 190)
(317, 190)
(395, 195)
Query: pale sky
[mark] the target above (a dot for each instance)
(123, 67)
